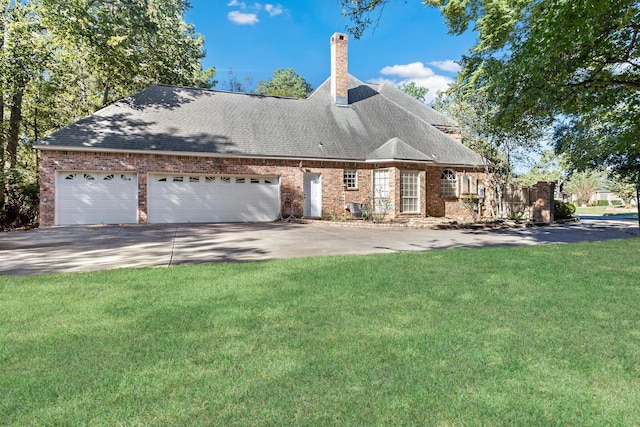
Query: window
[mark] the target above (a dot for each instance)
(409, 192)
(469, 184)
(448, 184)
(194, 179)
(178, 179)
(350, 179)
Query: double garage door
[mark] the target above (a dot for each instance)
(112, 198)
(213, 198)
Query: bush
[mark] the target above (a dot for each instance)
(563, 210)
(616, 202)
(602, 203)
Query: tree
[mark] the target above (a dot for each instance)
(623, 188)
(63, 59)
(550, 168)
(233, 83)
(284, 82)
(418, 92)
(582, 185)
(539, 67)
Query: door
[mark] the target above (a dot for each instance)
(382, 203)
(312, 195)
(96, 197)
(182, 198)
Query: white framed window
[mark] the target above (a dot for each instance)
(350, 179)
(469, 184)
(448, 184)
(409, 192)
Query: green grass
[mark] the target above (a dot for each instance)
(606, 210)
(546, 335)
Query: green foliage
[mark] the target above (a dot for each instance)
(563, 210)
(62, 60)
(622, 187)
(602, 203)
(583, 185)
(550, 168)
(616, 202)
(537, 67)
(284, 82)
(418, 92)
(456, 337)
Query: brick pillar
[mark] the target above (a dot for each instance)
(543, 206)
(339, 73)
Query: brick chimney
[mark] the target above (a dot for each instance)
(339, 73)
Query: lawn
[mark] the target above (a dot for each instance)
(606, 211)
(545, 335)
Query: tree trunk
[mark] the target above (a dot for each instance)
(14, 128)
(638, 201)
(105, 95)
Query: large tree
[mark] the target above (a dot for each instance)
(574, 65)
(284, 82)
(63, 59)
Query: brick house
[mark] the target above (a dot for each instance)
(175, 154)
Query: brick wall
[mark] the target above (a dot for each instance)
(339, 72)
(543, 206)
(334, 196)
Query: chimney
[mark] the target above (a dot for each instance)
(339, 73)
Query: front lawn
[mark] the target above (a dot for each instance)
(545, 335)
(606, 210)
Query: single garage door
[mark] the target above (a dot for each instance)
(96, 198)
(213, 198)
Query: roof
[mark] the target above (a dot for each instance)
(380, 123)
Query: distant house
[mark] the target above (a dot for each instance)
(176, 154)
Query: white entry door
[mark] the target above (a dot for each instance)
(382, 203)
(96, 197)
(312, 195)
(176, 198)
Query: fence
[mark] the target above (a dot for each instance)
(533, 203)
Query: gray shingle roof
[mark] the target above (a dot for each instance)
(379, 123)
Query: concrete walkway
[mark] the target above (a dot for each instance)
(86, 248)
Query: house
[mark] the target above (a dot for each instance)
(176, 154)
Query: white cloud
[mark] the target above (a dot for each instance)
(273, 10)
(240, 4)
(257, 6)
(447, 65)
(415, 72)
(241, 18)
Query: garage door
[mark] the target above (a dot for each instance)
(96, 198)
(213, 198)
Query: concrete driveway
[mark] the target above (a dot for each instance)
(85, 248)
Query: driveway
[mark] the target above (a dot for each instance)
(86, 248)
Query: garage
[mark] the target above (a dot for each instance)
(96, 197)
(176, 198)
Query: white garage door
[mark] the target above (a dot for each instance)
(96, 198)
(213, 198)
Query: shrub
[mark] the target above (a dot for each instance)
(617, 202)
(563, 210)
(602, 203)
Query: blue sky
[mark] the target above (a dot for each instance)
(255, 38)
